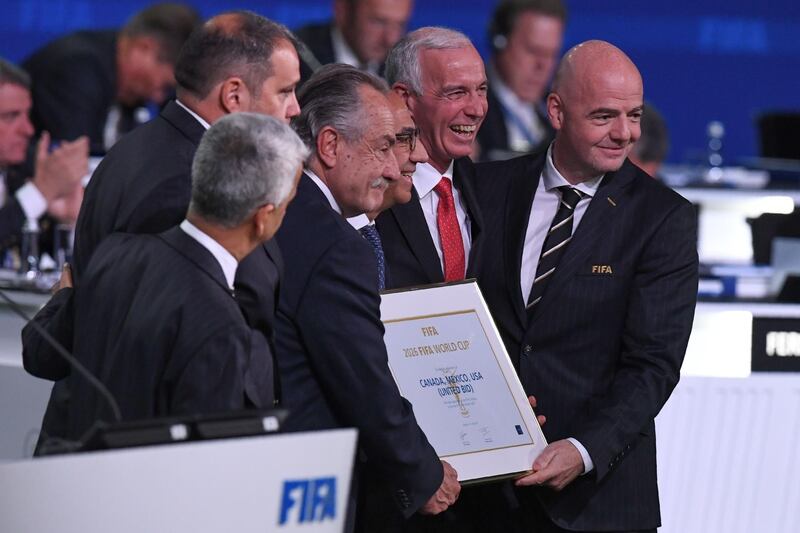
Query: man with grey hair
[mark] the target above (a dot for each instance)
(331, 355)
(436, 236)
(156, 319)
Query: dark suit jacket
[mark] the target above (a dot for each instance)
(493, 133)
(166, 337)
(331, 355)
(143, 185)
(407, 243)
(603, 349)
(74, 85)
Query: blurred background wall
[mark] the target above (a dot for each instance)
(702, 60)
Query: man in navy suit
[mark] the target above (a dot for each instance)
(156, 319)
(436, 236)
(332, 359)
(591, 276)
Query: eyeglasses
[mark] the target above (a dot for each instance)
(408, 139)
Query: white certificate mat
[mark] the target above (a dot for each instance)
(448, 360)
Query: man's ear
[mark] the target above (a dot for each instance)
(264, 222)
(555, 110)
(233, 95)
(402, 90)
(328, 146)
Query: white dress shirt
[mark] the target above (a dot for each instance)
(223, 256)
(545, 205)
(360, 221)
(30, 199)
(425, 179)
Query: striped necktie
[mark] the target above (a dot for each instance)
(555, 242)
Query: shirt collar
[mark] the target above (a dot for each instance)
(426, 177)
(199, 119)
(552, 178)
(223, 256)
(325, 190)
(360, 221)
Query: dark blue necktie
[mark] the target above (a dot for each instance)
(370, 233)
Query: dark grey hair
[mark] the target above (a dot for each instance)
(12, 74)
(244, 161)
(331, 97)
(402, 64)
(169, 23)
(236, 43)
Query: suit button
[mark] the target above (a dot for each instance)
(527, 349)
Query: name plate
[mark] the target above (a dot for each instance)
(776, 345)
(448, 360)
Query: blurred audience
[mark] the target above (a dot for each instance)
(104, 83)
(652, 148)
(525, 38)
(361, 34)
(54, 184)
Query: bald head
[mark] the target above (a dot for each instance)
(586, 62)
(595, 106)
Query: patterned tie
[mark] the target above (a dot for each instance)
(370, 233)
(555, 242)
(449, 232)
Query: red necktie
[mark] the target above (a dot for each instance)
(449, 232)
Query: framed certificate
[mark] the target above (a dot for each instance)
(448, 360)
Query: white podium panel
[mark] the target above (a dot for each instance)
(290, 482)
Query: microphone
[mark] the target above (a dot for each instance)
(71, 359)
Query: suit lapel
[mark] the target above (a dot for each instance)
(462, 179)
(193, 251)
(599, 215)
(411, 221)
(520, 200)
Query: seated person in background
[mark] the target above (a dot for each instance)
(361, 34)
(525, 38)
(651, 149)
(55, 185)
(156, 318)
(98, 83)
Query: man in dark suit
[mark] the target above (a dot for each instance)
(100, 83)
(525, 37)
(143, 184)
(331, 355)
(436, 236)
(591, 276)
(361, 34)
(53, 186)
(156, 318)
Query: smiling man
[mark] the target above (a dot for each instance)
(592, 284)
(435, 236)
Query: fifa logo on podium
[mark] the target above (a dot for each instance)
(308, 500)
